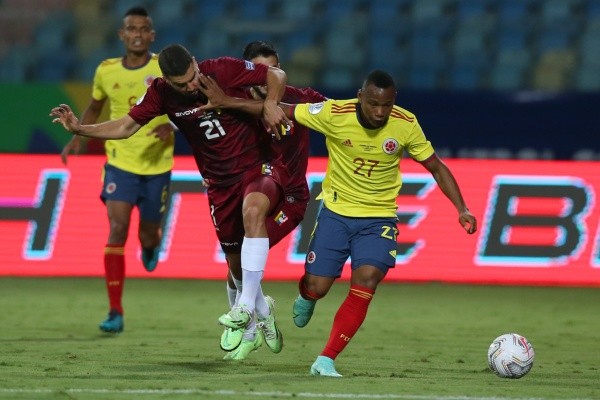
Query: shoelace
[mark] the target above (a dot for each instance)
(269, 332)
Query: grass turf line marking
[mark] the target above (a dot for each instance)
(270, 394)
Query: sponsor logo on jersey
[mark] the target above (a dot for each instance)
(390, 146)
(290, 199)
(187, 112)
(347, 142)
(249, 65)
(315, 108)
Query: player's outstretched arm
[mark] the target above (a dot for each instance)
(121, 128)
(217, 98)
(447, 183)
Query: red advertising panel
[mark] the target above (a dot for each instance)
(539, 224)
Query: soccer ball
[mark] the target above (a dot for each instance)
(511, 356)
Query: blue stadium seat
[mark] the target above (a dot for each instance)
(297, 10)
(424, 78)
(464, 78)
(342, 46)
(337, 9)
(169, 12)
(166, 37)
(55, 66)
(592, 10)
(16, 65)
(587, 79)
(506, 78)
(513, 39)
(54, 32)
(513, 58)
(208, 11)
(556, 39)
(256, 9)
(467, 9)
(338, 78)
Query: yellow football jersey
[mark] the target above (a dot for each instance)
(140, 154)
(363, 176)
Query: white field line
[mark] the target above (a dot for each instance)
(274, 394)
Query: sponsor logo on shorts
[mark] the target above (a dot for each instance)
(281, 218)
(390, 146)
(111, 187)
(311, 257)
(229, 244)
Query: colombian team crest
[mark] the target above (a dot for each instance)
(111, 187)
(390, 146)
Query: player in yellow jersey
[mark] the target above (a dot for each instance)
(365, 138)
(137, 170)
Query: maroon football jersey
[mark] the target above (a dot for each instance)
(294, 145)
(224, 142)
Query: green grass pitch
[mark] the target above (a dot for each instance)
(419, 341)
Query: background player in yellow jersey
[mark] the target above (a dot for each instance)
(137, 170)
(365, 138)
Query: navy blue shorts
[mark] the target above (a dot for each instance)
(367, 241)
(148, 192)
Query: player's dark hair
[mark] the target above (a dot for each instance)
(379, 78)
(174, 60)
(139, 11)
(258, 48)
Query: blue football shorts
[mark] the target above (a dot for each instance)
(367, 241)
(148, 192)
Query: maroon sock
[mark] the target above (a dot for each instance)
(348, 319)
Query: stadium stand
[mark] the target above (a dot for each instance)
(551, 45)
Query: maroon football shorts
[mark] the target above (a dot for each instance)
(226, 202)
(286, 217)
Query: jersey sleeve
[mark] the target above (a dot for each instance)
(98, 92)
(149, 106)
(313, 115)
(232, 72)
(418, 147)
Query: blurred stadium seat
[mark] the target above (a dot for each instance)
(462, 44)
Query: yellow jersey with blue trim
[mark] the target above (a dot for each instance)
(363, 171)
(142, 153)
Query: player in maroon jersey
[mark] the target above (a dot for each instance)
(232, 152)
(294, 148)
